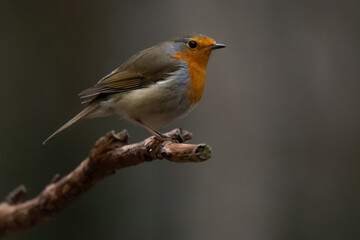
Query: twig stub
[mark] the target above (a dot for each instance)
(16, 195)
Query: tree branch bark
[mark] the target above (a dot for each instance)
(110, 153)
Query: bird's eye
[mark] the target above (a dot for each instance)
(192, 44)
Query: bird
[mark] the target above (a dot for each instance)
(153, 87)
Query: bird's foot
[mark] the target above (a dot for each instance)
(163, 138)
(177, 135)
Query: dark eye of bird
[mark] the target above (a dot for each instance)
(192, 44)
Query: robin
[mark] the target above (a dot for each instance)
(153, 87)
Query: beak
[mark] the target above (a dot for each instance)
(217, 46)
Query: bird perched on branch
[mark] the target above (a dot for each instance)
(153, 87)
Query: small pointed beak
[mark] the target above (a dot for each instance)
(217, 46)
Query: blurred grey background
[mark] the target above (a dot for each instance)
(281, 110)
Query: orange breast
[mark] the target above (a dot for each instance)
(196, 61)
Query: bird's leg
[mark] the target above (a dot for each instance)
(157, 134)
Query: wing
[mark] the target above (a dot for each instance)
(139, 71)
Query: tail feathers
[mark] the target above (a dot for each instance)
(89, 109)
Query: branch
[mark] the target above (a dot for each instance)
(110, 153)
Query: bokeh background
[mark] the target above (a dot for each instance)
(281, 110)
